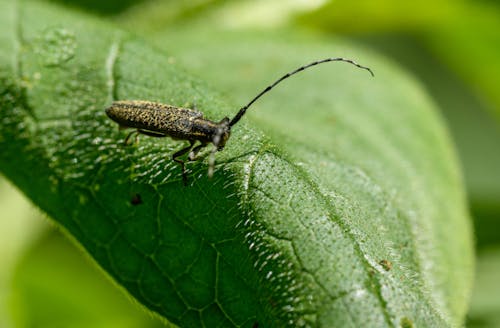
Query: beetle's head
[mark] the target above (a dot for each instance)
(223, 133)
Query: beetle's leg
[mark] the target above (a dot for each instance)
(195, 151)
(211, 162)
(136, 132)
(181, 162)
(216, 141)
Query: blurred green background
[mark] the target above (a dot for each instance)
(451, 46)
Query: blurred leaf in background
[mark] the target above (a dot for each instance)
(20, 223)
(485, 304)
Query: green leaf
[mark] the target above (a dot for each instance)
(340, 205)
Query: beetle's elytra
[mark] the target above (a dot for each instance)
(160, 120)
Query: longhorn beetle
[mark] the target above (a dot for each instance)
(160, 120)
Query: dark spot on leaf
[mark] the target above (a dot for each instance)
(386, 264)
(136, 199)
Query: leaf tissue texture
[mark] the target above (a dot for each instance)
(345, 211)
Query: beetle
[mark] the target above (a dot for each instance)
(161, 120)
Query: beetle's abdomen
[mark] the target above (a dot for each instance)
(165, 119)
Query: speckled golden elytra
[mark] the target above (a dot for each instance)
(160, 120)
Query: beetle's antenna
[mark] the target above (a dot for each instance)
(243, 110)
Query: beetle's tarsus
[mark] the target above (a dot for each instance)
(178, 154)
